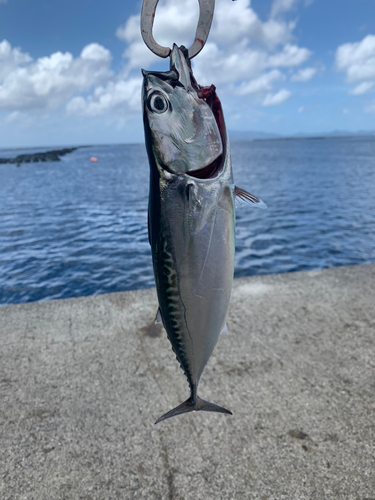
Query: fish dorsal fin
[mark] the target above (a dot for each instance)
(158, 318)
(225, 329)
(246, 197)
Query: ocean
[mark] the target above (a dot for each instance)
(74, 228)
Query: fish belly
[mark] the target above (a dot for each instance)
(193, 265)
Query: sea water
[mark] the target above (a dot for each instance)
(74, 227)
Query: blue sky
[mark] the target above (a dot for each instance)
(70, 71)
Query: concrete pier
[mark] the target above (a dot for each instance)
(82, 382)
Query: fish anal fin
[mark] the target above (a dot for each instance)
(245, 196)
(158, 318)
(225, 329)
(189, 405)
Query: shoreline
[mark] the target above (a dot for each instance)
(83, 380)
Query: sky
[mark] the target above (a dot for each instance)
(70, 71)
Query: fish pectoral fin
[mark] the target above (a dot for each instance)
(158, 318)
(246, 197)
(225, 329)
(193, 405)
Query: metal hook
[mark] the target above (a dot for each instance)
(206, 12)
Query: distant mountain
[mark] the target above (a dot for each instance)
(247, 135)
(343, 133)
(334, 133)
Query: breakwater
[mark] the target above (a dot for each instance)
(53, 155)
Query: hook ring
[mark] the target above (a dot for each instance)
(206, 12)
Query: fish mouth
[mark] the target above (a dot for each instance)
(209, 172)
(208, 94)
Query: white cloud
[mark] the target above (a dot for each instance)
(362, 88)
(176, 22)
(303, 75)
(261, 84)
(50, 81)
(291, 55)
(121, 97)
(23, 120)
(301, 109)
(12, 117)
(219, 66)
(232, 24)
(11, 59)
(245, 55)
(3, 1)
(280, 6)
(278, 98)
(357, 60)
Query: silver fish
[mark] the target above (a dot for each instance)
(191, 216)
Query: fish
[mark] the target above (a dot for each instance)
(191, 216)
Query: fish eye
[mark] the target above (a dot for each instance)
(157, 103)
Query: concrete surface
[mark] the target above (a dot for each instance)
(83, 380)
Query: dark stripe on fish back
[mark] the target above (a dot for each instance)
(175, 320)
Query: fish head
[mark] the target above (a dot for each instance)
(181, 126)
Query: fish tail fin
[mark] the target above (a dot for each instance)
(196, 404)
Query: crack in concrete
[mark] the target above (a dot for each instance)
(169, 472)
